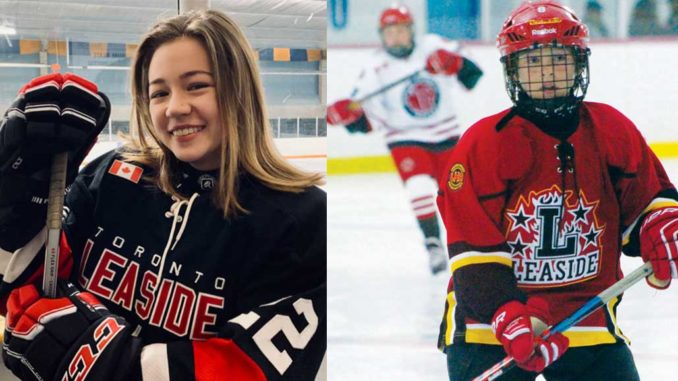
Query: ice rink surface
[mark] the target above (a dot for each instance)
(385, 307)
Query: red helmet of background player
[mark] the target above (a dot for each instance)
(397, 15)
(544, 23)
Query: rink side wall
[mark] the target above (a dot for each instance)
(638, 77)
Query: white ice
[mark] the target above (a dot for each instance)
(385, 307)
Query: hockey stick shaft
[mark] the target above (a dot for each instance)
(388, 87)
(592, 305)
(55, 206)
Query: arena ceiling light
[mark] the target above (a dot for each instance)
(7, 30)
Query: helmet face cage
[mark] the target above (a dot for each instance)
(551, 95)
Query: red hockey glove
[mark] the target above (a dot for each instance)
(659, 245)
(513, 328)
(444, 62)
(344, 112)
(72, 337)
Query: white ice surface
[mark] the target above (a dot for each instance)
(385, 307)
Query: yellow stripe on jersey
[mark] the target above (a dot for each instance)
(587, 336)
(476, 257)
(579, 336)
(655, 204)
(617, 330)
(480, 334)
(449, 317)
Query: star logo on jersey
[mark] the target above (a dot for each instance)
(421, 97)
(554, 241)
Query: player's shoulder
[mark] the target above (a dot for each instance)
(114, 175)
(482, 142)
(486, 129)
(436, 41)
(617, 138)
(374, 60)
(604, 111)
(611, 124)
(100, 161)
(308, 206)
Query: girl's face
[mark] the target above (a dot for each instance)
(546, 72)
(183, 103)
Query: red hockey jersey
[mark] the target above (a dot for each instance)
(528, 214)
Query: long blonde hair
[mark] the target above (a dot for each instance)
(246, 141)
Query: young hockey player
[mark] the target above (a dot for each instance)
(194, 253)
(419, 116)
(538, 203)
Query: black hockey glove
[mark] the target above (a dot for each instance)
(53, 113)
(73, 337)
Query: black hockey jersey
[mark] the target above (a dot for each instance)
(243, 297)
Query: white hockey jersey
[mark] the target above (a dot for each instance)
(419, 110)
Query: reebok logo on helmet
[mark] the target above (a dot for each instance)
(541, 32)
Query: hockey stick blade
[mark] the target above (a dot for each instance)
(592, 305)
(55, 206)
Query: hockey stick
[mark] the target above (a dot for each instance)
(592, 305)
(388, 87)
(356, 103)
(55, 205)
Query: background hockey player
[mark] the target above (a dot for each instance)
(197, 252)
(539, 202)
(418, 117)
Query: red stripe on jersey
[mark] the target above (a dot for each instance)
(219, 358)
(421, 199)
(426, 216)
(426, 206)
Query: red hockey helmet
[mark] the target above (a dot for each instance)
(538, 23)
(395, 14)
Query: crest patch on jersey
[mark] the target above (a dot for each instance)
(421, 97)
(127, 171)
(550, 251)
(456, 179)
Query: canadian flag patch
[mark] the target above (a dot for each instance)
(127, 171)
